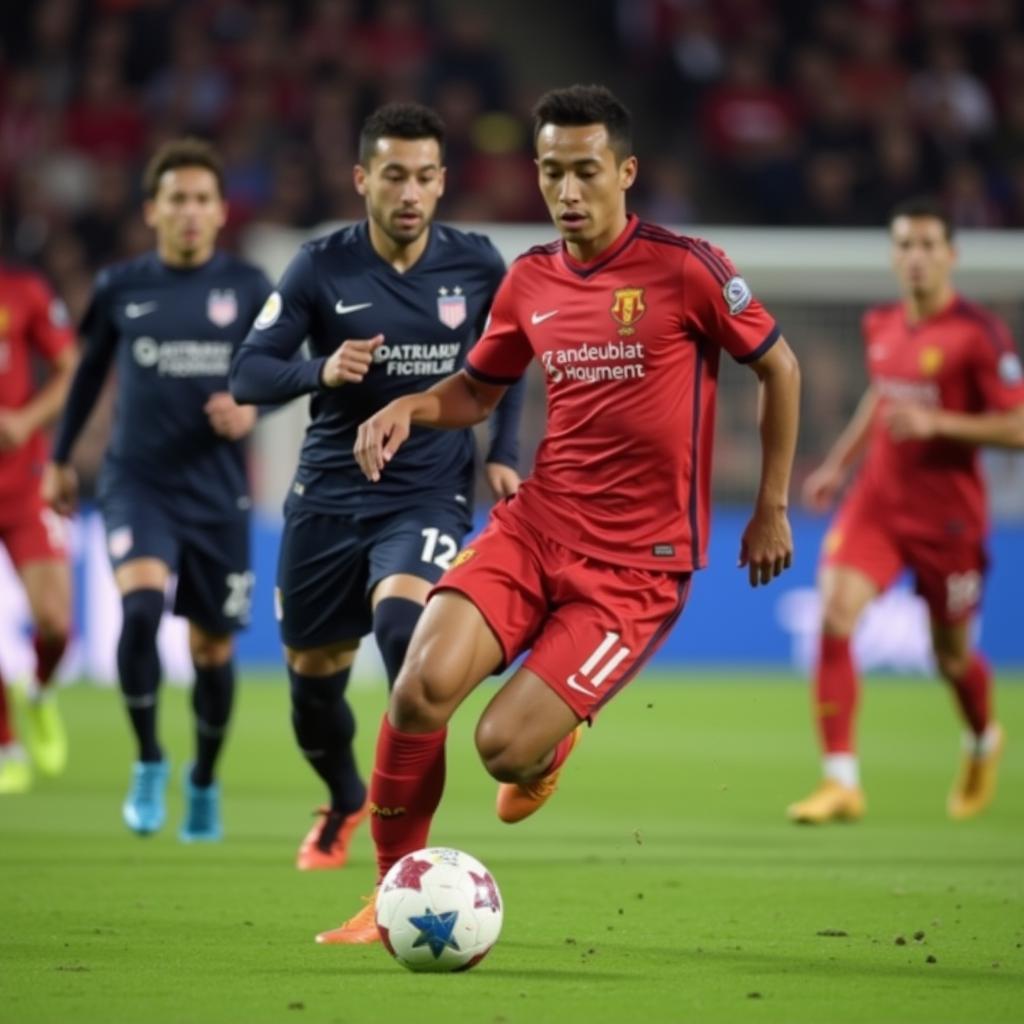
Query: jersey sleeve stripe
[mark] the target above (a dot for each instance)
(773, 336)
(487, 378)
(989, 324)
(716, 267)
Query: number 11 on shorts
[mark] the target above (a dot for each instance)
(602, 656)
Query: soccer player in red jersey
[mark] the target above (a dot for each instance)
(33, 326)
(944, 380)
(589, 565)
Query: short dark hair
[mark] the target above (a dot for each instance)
(185, 152)
(587, 104)
(399, 121)
(924, 206)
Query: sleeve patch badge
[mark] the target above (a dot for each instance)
(270, 312)
(1010, 370)
(737, 295)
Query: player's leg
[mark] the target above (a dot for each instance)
(323, 613)
(606, 622)
(452, 650)
(410, 551)
(15, 774)
(47, 585)
(214, 593)
(142, 583)
(845, 593)
(950, 579)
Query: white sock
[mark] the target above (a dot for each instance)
(980, 746)
(843, 768)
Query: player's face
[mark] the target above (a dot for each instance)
(583, 183)
(186, 213)
(402, 183)
(922, 256)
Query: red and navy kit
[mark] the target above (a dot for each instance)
(589, 565)
(630, 345)
(922, 504)
(33, 325)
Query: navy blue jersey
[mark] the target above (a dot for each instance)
(172, 333)
(338, 288)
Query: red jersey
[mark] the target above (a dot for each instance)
(630, 346)
(961, 359)
(32, 320)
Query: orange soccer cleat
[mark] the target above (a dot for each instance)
(518, 800)
(975, 783)
(831, 801)
(359, 930)
(326, 843)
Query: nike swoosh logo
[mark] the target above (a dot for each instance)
(136, 309)
(343, 309)
(539, 318)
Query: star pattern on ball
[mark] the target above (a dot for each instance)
(411, 874)
(435, 931)
(486, 894)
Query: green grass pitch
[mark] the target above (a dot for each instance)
(661, 885)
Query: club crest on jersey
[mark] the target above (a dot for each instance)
(737, 295)
(627, 307)
(222, 307)
(5, 318)
(930, 360)
(451, 307)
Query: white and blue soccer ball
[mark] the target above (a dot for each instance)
(439, 910)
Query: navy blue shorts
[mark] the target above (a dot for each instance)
(211, 560)
(329, 564)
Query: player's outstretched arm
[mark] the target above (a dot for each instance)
(823, 484)
(911, 421)
(457, 401)
(767, 545)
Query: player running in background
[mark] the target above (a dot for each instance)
(410, 296)
(589, 566)
(33, 323)
(173, 490)
(944, 379)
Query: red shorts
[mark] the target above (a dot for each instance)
(38, 534)
(948, 572)
(589, 626)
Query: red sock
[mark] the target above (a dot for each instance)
(405, 789)
(835, 694)
(48, 654)
(6, 734)
(973, 692)
(562, 749)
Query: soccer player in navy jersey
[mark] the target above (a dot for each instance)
(390, 306)
(173, 489)
(589, 565)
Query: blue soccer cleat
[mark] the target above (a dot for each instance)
(202, 813)
(143, 809)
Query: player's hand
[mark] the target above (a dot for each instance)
(227, 417)
(14, 430)
(909, 421)
(380, 437)
(503, 480)
(821, 487)
(767, 545)
(59, 488)
(350, 361)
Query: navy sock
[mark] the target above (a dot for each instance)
(212, 698)
(138, 666)
(394, 619)
(325, 728)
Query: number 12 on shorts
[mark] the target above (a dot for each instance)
(602, 662)
(438, 548)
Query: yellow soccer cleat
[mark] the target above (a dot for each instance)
(359, 930)
(975, 784)
(517, 801)
(15, 774)
(831, 801)
(45, 735)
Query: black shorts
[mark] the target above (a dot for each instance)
(211, 560)
(329, 565)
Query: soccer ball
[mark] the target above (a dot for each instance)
(439, 910)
